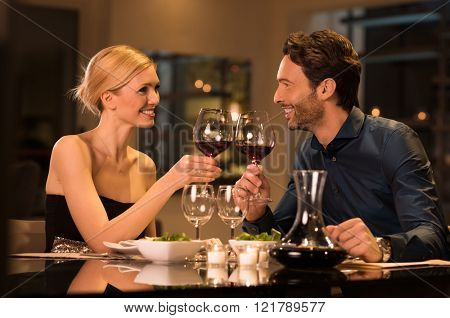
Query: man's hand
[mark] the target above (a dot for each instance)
(355, 237)
(253, 181)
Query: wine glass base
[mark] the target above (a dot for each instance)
(200, 257)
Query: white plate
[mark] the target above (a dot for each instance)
(235, 244)
(167, 252)
(124, 247)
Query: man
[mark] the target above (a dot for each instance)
(380, 201)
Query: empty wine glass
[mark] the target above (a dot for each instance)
(198, 204)
(232, 210)
(255, 138)
(229, 211)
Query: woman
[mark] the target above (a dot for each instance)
(98, 188)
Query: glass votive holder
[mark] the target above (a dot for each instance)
(247, 256)
(216, 255)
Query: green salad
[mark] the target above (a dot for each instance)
(264, 236)
(166, 237)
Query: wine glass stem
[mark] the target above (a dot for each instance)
(256, 163)
(207, 183)
(197, 232)
(232, 232)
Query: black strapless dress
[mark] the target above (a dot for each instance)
(59, 222)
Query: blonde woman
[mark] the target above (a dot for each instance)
(99, 188)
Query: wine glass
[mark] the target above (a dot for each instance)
(255, 138)
(213, 131)
(230, 212)
(198, 204)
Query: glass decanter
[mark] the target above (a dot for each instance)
(306, 244)
(307, 230)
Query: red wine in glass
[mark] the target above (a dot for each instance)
(254, 152)
(255, 138)
(213, 131)
(213, 148)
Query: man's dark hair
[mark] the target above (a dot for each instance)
(327, 54)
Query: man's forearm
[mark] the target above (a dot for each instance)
(420, 244)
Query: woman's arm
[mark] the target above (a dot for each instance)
(72, 165)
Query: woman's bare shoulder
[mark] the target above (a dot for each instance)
(70, 153)
(72, 146)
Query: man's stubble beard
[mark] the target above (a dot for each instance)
(308, 113)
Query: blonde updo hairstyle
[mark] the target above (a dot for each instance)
(109, 70)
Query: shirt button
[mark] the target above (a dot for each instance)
(333, 158)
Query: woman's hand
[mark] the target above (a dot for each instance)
(193, 169)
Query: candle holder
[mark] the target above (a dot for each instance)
(248, 255)
(217, 255)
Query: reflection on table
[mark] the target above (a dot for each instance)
(95, 276)
(37, 277)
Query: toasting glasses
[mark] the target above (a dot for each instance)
(255, 138)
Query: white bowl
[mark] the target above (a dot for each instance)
(168, 275)
(167, 252)
(235, 244)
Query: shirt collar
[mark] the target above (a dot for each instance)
(349, 130)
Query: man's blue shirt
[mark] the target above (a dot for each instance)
(377, 171)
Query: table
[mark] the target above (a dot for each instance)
(131, 278)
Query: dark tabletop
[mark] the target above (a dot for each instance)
(60, 278)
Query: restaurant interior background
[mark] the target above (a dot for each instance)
(234, 48)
